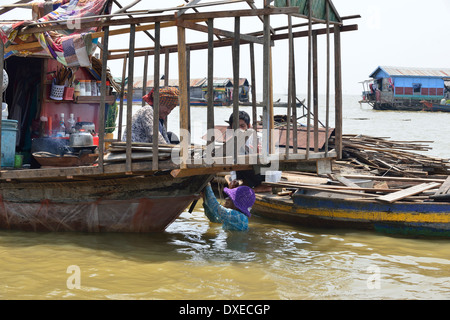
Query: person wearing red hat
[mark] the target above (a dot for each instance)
(142, 123)
(234, 214)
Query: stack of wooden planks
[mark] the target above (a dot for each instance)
(344, 187)
(140, 151)
(380, 156)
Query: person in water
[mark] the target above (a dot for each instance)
(235, 212)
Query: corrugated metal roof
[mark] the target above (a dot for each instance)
(415, 72)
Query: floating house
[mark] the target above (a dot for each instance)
(72, 180)
(398, 88)
(222, 87)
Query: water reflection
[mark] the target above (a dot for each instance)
(195, 259)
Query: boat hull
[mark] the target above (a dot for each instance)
(409, 219)
(140, 204)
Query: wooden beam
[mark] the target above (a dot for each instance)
(229, 42)
(228, 34)
(86, 23)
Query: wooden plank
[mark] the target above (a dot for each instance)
(445, 187)
(345, 181)
(321, 188)
(408, 192)
(402, 179)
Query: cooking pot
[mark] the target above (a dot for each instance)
(81, 139)
(85, 126)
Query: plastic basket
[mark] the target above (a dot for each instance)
(57, 92)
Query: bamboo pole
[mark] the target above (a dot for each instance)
(156, 106)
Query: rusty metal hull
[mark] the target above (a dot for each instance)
(140, 204)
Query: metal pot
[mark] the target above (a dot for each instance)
(81, 139)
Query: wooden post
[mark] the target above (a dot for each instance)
(290, 84)
(101, 144)
(188, 86)
(155, 141)
(144, 78)
(236, 67)
(184, 119)
(210, 112)
(166, 67)
(130, 97)
(122, 93)
(254, 102)
(266, 87)
(338, 90)
(308, 116)
(315, 91)
(327, 119)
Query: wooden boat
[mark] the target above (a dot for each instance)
(435, 107)
(326, 207)
(138, 191)
(98, 204)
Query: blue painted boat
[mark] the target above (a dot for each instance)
(405, 218)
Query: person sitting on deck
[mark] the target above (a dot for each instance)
(142, 123)
(248, 177)
(234, 214)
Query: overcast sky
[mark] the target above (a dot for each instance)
(408, 33)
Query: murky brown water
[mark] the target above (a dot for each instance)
(194, 259)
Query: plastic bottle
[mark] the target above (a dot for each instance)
(62, 128)
(70, 128)
(99, 88)
(94, 88)
(87, 83)
(82, 88)
(4, 111)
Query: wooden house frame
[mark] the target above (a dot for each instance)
(316, 12)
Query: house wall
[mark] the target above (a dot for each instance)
(430, 88)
